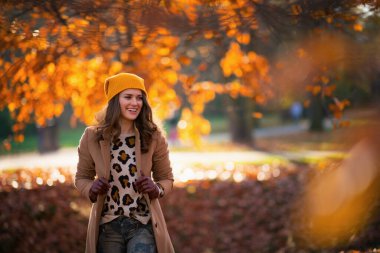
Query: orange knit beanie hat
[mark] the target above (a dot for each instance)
(117, 83)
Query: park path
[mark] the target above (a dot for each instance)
(67, 157)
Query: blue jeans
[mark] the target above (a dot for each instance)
(126, 235)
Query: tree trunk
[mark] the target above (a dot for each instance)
(48, 137)
(240, 120)
(316, 114)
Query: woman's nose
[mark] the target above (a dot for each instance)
(134, 101)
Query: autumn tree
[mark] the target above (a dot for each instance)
(328, 48)
(319, 32)
(58, 52)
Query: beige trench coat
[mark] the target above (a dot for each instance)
(94, 161)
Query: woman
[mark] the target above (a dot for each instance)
(116, 160)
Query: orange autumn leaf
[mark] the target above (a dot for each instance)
(232, 32)
(296, 9)
(328, 91)
(184, 60)
(260, 99)
(358, 27)
(346, 102)
(202, 67)
(19, 138)
(208, 34)
(243, 38)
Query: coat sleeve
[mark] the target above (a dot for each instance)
(85, 174)
(161, 168)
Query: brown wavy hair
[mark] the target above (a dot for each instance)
(109, 123)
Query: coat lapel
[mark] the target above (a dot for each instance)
(106, 154)
(138, 152)
(138, 160)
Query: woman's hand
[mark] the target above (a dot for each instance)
(144, 184)
(99, 186)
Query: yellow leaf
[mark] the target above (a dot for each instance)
(11, 106)
(170, 94)
(163, 51)
(198, 107)
(325, 79)
(116, 67)
(205, 127)
(71, 27)
(51, 68)
(171, 76)
(122, 29)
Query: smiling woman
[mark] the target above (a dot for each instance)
(123, 169)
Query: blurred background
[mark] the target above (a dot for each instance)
(271, 110)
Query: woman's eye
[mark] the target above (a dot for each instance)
(129, 97)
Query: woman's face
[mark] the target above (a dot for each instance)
(131, 102)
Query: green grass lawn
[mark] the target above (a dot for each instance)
(70, 137)
(66, 138)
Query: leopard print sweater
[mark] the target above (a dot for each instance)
(122, 197)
